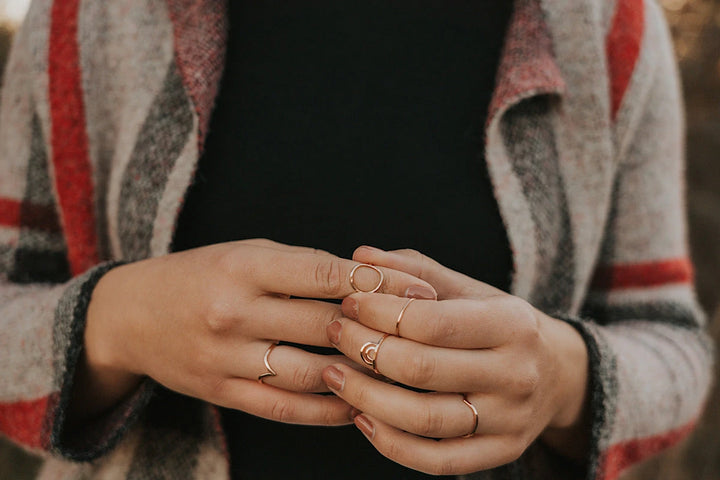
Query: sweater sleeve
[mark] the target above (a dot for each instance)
(42, 308)
(650, 355)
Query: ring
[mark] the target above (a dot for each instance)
(270, 371)
(400, 316)
(369, 352)
(373, 267)
(475, 415)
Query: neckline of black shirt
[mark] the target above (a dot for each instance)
(348, 123)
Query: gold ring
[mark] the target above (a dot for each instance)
(270, 371)
(373, 267)
(400, 316)
(369, 352)
(475, 415)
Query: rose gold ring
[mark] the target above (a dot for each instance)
(475, 416)
(369, 352)
(400, 316)
(270, 370)
(372, 267)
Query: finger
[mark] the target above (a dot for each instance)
(266, 243)
(291, 320)
(448, 283)
(434, 415)
(448, 323)
(429, 367)
(326, 276)
(295, 370)
(280, 405)
(450, 456)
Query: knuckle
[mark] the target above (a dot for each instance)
(217, 317)
(304, 378)
(526, 383)
(429, 423)
(445, 466)
(439, 327)
(328, 276)
(217, 389)
(391, 449)
(422, 370)
(518, 446)
(282, 411)
(359, 397)
(526, 315)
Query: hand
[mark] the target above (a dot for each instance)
(200, 321)
(523, 371)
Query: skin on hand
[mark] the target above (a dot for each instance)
(200, 321)
(525, 372)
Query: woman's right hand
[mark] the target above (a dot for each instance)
(200, 321)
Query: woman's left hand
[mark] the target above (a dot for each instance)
(524, 372)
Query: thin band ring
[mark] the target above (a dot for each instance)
(400, 316)
(270, 370)
(369, 353)
(475, 415)
(372, 267)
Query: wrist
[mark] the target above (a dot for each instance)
(101, 378)
(568, 431)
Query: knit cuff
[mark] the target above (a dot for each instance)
(600, 388)
(99, 436)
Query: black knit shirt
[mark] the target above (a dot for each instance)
(342, 123)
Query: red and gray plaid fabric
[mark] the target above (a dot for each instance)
(105, 106)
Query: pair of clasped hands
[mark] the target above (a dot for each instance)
(200, 322)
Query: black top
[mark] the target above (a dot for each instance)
(348, 123)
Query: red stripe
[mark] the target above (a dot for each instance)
(73, 175)
(623, 47)
(622, 455)
(20, 214)
(9, 212)
(23, 421)
(638, 275)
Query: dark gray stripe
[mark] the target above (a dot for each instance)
(162, 137)
(670, 313)
(530, 141)
(33, 261)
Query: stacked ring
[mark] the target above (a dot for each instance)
(400, 316)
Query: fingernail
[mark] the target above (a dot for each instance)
(354, 413)
(372, 249)
(334, 378)
(333, 332)
(350, 308)
(420, 291)
(365, 426)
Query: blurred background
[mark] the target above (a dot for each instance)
(695, 26)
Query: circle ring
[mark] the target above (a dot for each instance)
(372, 267)
(369, 353)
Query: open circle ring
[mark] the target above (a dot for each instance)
(369, 353)
(372, 267)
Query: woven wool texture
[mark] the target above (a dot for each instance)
(104, 110)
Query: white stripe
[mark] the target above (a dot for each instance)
(676, 293)
(662, 378)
